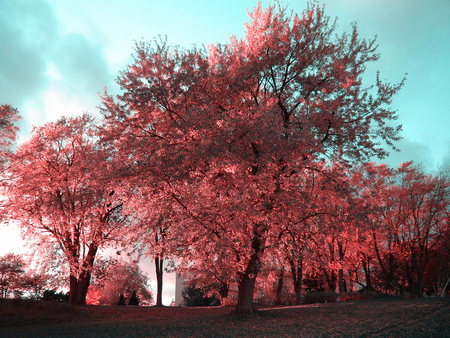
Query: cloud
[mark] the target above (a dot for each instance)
(43, 72)
(445, 160)
(82, 64)
(27, 33)
(411, 150)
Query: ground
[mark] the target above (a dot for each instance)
(427, 317)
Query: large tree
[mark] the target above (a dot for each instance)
(227, 132)
(62, 195)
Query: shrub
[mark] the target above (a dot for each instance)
(53, 296)
(320, 297)
(193, 296)
(121, 301)
(134, 300)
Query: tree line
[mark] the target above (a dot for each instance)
(235, 159)
(113, 280)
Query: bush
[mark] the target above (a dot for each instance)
(121, 301)
(134, 300)
(193, 296)
(320, 297)
(53, 296)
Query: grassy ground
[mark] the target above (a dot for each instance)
(428, 317)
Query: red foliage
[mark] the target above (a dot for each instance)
(61, 195)
(228, 136)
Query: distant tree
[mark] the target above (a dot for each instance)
(35, 283)
(424, 200)
(439, 269)
(404, 225)
(113, 278)
(11, 272)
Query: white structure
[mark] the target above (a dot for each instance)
(179, 286)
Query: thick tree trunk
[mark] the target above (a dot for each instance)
(245, 295)
(247, 279)
(159, 264)
(79, 286)
(410, 278)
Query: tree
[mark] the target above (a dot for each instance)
(424, 205)
(226, 133)
(441, 260)
(35, 283)
(406, 216)
(153, 234)
(112, 278)
(11, 272)
(62, 195)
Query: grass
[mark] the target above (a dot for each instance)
(428, 317)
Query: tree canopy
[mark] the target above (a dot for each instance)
(228, 133)
(60, 197)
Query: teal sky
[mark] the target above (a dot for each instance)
(57, 55)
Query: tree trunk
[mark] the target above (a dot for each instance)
(445, 287)
(387, 271)
(279, 300)
(247, 279)
(297, 279)
(73, 289)
(341, 282)
(78, 288)
(159, 263)
(419, 283)
(245, 295)
(342, 287)
(223, 292)
(331, 279)
(366, 268)
(79, 285)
